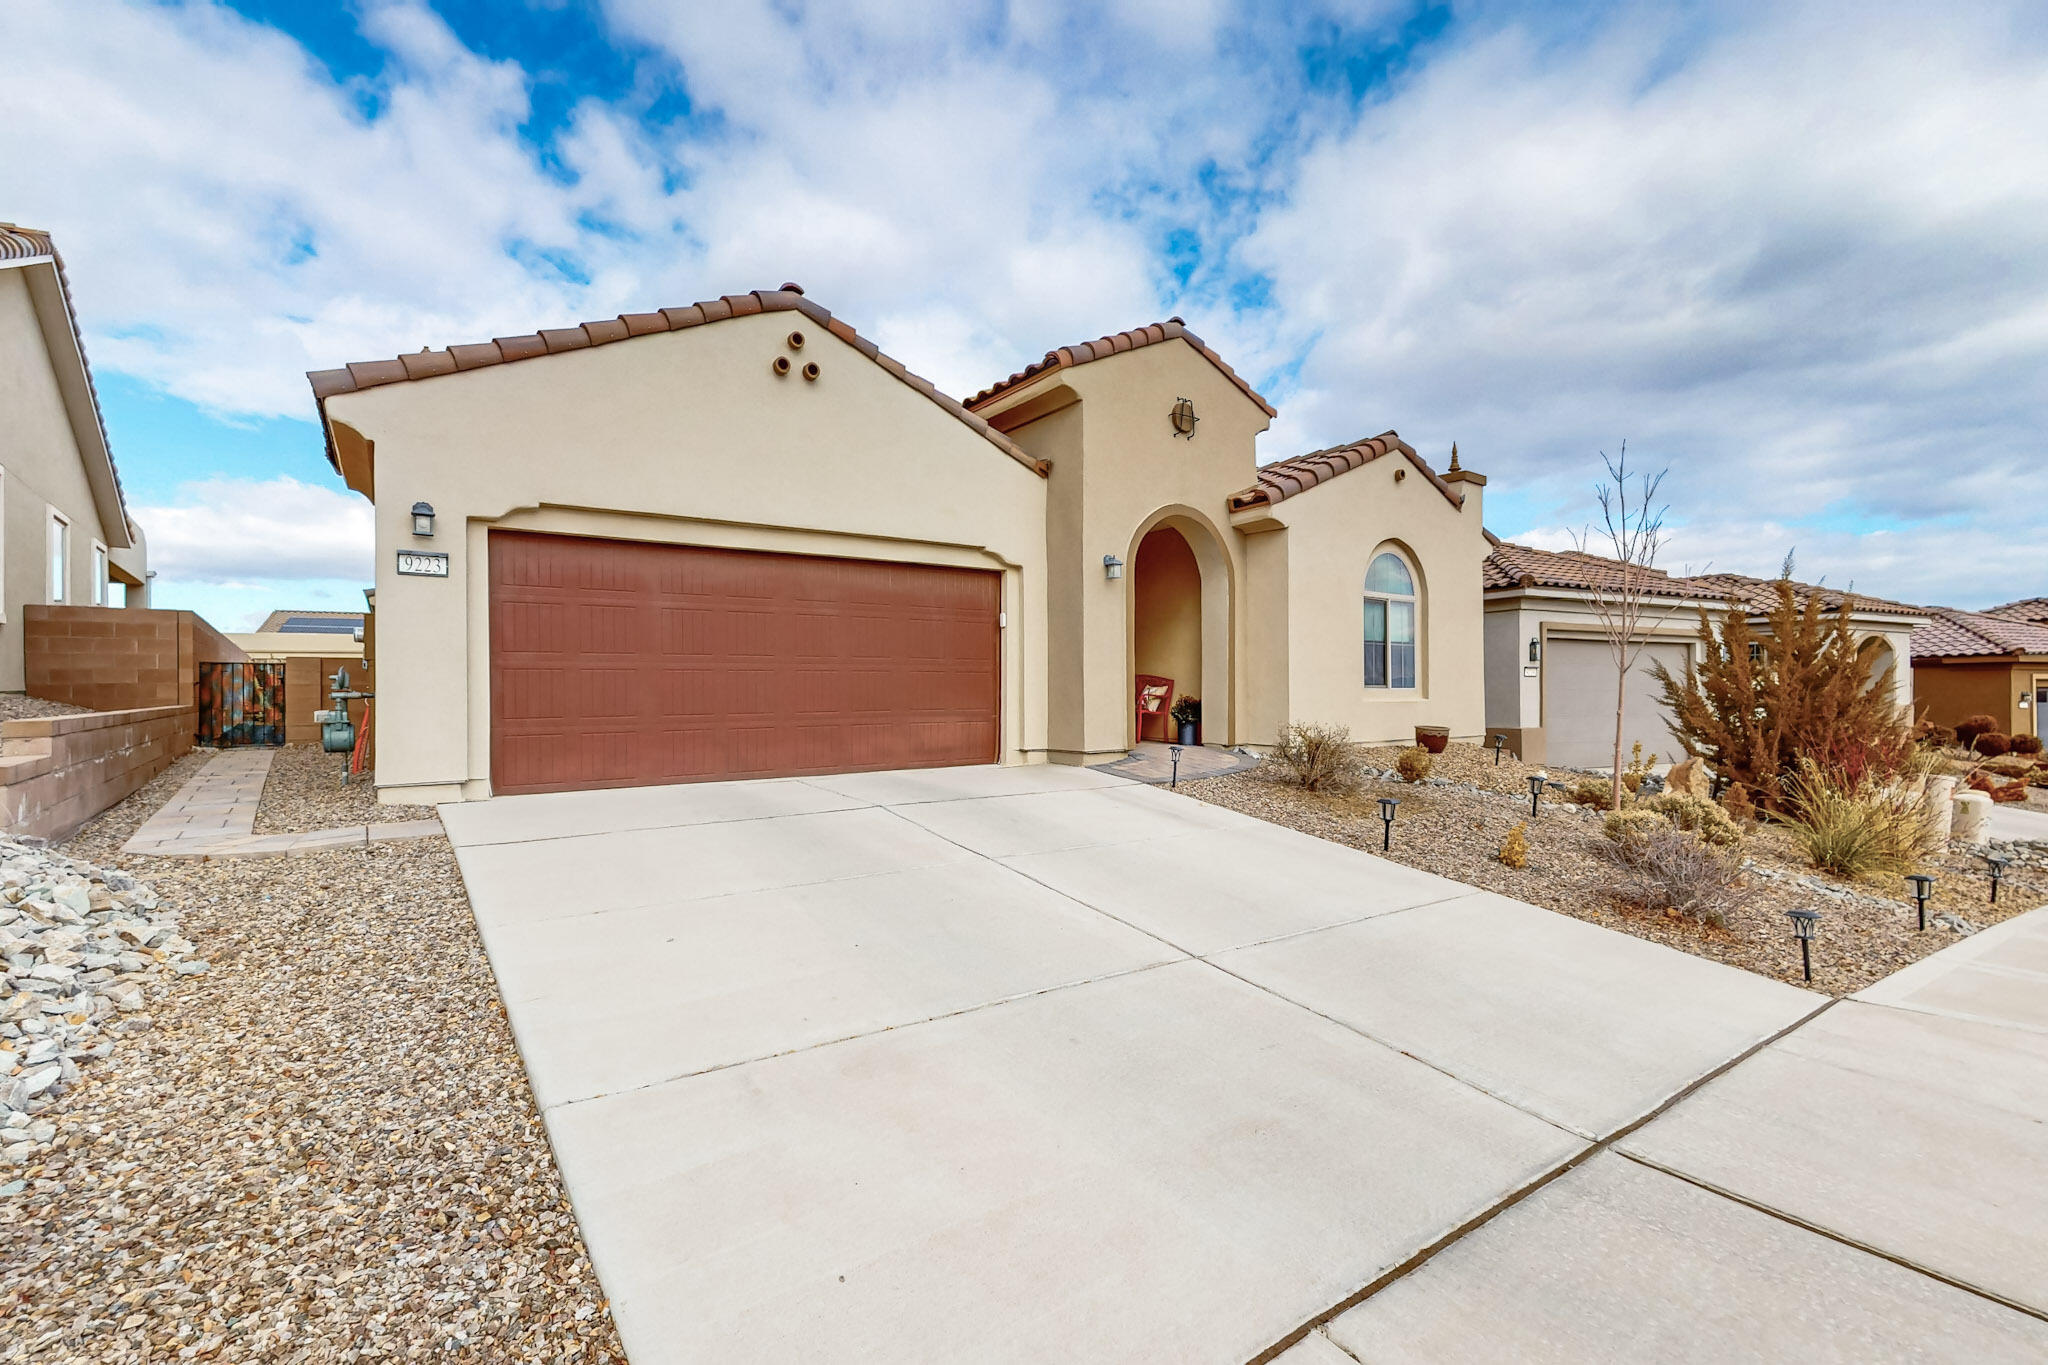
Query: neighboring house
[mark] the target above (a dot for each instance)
(65, 534)
(1992, 663)
(736, 540)
(304, 635)
(1550, 674)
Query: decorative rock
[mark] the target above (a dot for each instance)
(1690, 778)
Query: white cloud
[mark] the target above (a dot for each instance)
(232, 532)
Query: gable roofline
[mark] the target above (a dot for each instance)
(2034, 609)
(430, 364)
(1282, 479)
(34, 253)
(1082, 353)
(1954, 634)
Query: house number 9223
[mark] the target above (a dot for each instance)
(422, 564)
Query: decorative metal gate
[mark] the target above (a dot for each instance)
(241, 704)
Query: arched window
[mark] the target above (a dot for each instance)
(1389, 623)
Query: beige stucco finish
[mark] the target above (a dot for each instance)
(689, 437)
(683, 437)
(42, 471)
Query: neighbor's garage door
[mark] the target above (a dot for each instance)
(617, 663)
(1578, 703)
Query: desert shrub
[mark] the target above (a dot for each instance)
(1853, 828)
(1658, 867)
(1968, 728)
(1736, 802)
(1591, 791)
(1928, 735)
(1638, 768)
(1414, 763)
(1992, 743)
(1807, 695)
(1320, 756)
(1514, 850)
(2026, 744)
(1632, 822)
(1696, 815)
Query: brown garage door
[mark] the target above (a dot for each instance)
(616, 663)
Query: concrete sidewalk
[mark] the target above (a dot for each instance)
(1030, 1063)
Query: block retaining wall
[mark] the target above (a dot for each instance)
(57, 772)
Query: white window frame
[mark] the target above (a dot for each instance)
(102, 573)
(57, 558)
(1413, 599)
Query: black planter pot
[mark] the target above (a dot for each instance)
(1187, 735)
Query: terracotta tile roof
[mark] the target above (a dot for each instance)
(550, 341)
(23, 244)
(1081, 353)
(1952, 634)
(2033, 609)
(1511, 566)
(1282, 479)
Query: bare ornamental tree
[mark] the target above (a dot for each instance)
(1631, 532)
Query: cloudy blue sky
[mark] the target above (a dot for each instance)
(1798, 254)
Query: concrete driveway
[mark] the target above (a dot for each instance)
(1038, 1063)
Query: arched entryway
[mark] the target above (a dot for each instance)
(1180, 619)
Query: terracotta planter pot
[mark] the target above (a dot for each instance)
(1433, 737)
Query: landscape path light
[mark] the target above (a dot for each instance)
(1998, 866)
(1536, 781)
(1174, 749)
(1387, 804)
(1802, 929)
(1499, 743)
(1922, 884)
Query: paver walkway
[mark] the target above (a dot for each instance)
(214, 816)
(1152, 762)
(1035, 1063)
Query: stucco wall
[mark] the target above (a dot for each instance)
(1949, 692)
(684, 437)
(1334, 531)
(40, 468)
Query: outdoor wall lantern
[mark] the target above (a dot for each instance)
(1802, 929)
(1536, 781)
(1499, 743)
(422, 519)
(1387, 804)
(1998, 866)
(1174, 749)
(1183, 417)
(1922, 884)
(2025, 700)
(1112, 567)
(1535, 650)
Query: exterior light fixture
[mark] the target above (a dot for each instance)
(1174, 749)
(1998, 866)
(1922, 885)
(1536, 781)
(1535, 650)
(1183, 418)
(1112, 567)
(1499, 743)
(1387, 804)
(422, 519)
(1802, 929)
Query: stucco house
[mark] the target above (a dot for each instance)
(65, 533)
(1992, 663)
(737, 540)
(1550, 683)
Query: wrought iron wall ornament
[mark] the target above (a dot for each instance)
(1184, 418)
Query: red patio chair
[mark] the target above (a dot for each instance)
(1155, 698)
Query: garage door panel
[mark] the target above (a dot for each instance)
(1578, 703)
(617, 662)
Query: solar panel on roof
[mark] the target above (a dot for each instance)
(319, 625)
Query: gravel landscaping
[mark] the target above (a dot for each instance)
(1867, 931)
(305, 793)
(324, 1149)
(19, 706)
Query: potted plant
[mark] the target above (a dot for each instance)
(1187, 716)
(1433, 737)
